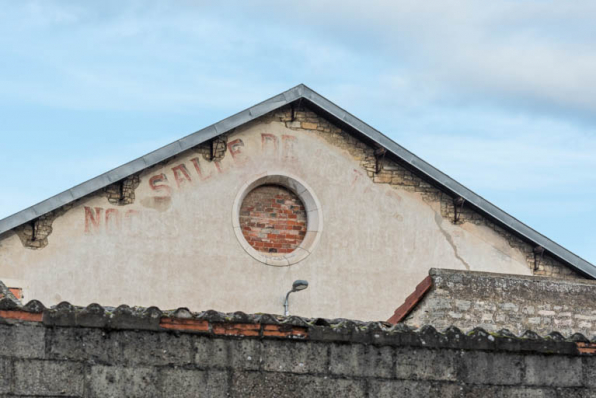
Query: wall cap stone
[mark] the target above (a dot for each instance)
(271, 326)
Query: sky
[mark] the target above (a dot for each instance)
(499, 95)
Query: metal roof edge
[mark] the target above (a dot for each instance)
(450, 184)
(287, 97)
(150, 159)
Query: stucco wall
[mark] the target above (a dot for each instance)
(175, 244)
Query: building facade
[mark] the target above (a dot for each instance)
(227, 218)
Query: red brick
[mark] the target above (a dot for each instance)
(237, 329)
(284, 331)
(195, 325)
(21, 315)
(269, 208)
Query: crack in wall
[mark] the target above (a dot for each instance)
(449, 238)
(397, 176)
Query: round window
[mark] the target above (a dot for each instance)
(277, 219)
(273, 219)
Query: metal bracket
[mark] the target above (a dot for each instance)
(458, 205)
(121, 183)
(211, 149)
(538, 253)
(379, 157)
(293, 109)
(33, 237)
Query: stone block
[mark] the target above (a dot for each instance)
(181, 383)
(22, 341)
(426, 364)
(37, 377)
(245, 354)
(295, 357)
(211, 353)
(553, 370)
(287, 385)
(309, 125)
(5, 375)
(117, 381)
(479, 367)
(575, 393)
(361, 360)
(474, 391)
(150, 348)
(589, 372)
(78, 344)
(410, 388)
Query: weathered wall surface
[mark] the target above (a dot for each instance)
(125, 353)
(165, 237)
(518, 303)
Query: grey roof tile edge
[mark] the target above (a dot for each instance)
(300, 92)
(342, 330)
(6, 294)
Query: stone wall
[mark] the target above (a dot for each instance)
(127, 352)
(497, 301)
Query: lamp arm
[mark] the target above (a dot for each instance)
(287, 304)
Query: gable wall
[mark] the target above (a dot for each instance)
(166, 236)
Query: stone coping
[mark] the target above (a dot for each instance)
(241, 325)
(451, 273)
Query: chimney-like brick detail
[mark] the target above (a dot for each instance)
(273, 219)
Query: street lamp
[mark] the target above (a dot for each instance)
(296, 287)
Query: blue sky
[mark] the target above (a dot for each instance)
(499, 95)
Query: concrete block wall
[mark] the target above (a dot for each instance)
(98, 352)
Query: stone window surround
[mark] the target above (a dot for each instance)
(314, 217)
